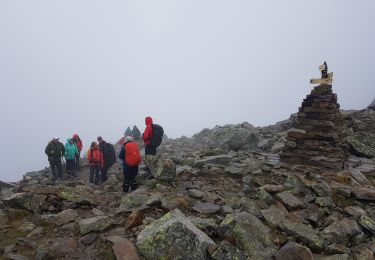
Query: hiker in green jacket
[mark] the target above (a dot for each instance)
(71, 152)
(55, 150)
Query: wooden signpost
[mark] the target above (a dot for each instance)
(326, 78)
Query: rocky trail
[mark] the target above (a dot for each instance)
(222, 194)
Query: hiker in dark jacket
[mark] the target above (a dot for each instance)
(131, 158)
(109, 157)
(147, 136)
(55, 150)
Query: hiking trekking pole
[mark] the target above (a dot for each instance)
(64, 165)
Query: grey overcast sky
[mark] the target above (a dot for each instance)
(95, 67)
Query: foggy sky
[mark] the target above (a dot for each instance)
(95, 67)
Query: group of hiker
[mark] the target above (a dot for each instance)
(101, 155)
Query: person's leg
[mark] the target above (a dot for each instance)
(104, 171)
(92, 172)
(59, 169)
(133, 183)
(126, 183)
(78, 163)
(97, 170)
(73, 170)
(53, 169)
(152, 150)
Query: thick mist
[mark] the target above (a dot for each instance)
(96, 67)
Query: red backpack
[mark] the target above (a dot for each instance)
(132, 155)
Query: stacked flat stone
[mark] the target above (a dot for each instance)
(316, 138)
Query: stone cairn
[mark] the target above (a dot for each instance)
(316, 138)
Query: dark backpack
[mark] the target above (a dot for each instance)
(157, 135)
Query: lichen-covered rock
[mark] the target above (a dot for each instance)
(66, 216)
(97, 224)
(363, 144)
(321, 188)
(341, 231)
(368, 223)
(228, 251)
(208, 226)
(294, 251)
(219, 159)
(290, 201)
(248, 233)
(162, 168)
(133, 201)
(303, 233)
(173, 237)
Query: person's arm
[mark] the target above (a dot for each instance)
(121, 155)
(101, 159)
(62, 150)
(147, 134)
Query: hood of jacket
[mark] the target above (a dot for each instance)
(148, 120)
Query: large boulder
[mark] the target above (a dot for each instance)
(248, 233)
(162, 168)
(173, 237)
(363, 144)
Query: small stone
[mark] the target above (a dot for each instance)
(135, 219)
(206, 208)
(88, 239)
(99, 223)
(272, 188)
(195, 193)
(368, 223)
(337, 249)
(325, 202)
(123, 248)
(290, 201)
(292, 251)
(27, 227)
(66, 216)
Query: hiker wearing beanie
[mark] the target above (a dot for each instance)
(109, 157)
(132, 158)
(55, 150)
(79, 145)
(95, 157)
(152, 136)
(71, 152)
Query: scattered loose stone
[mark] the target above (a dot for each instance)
(88, 239)
(290, 201)
(66, 216)
(99, 223)
(206, 208)
(368, 223)
(294, 251)
(135, 219)
(195, 193)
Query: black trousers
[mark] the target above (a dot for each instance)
(104, 173)
(94, 174)
(150, 149)
(129, 178)
(71, 166)
(78, 158)
(56, 163)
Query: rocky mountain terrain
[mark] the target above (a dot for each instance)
(222, 194)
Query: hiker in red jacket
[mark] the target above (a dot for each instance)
(79, 145)
(147, 136)
(95, 157)
(131, 157)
